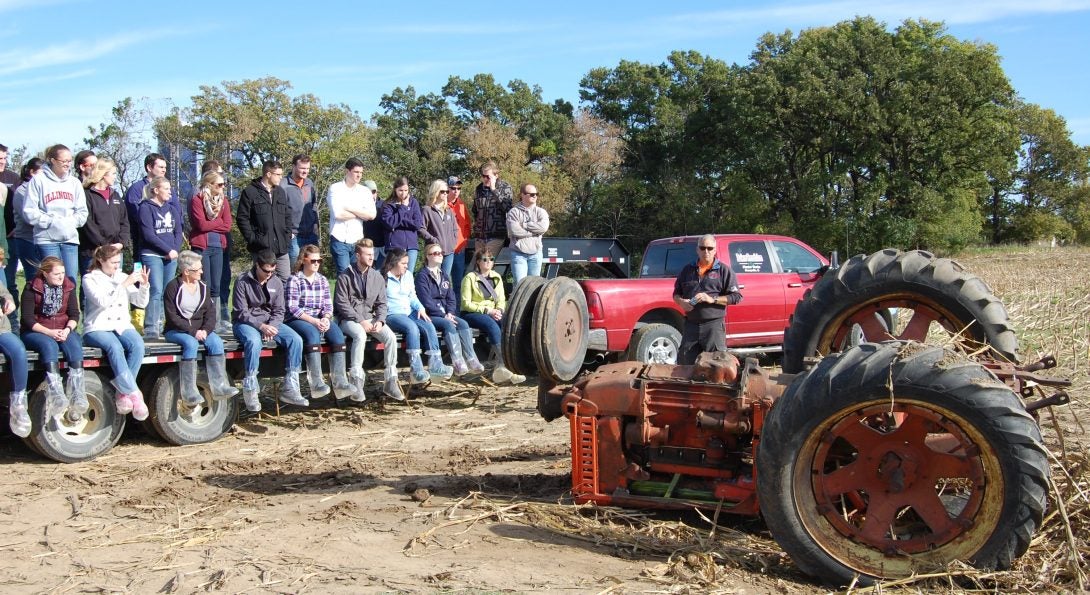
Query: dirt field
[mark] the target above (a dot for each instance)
(457, 491)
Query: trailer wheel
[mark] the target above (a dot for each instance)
(179, 425)
(68, 441)
(896, 458)
(930, 294)
(656, 343)
(518, 354)
(561, 326)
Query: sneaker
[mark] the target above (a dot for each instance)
(124, 404)
(139, 408)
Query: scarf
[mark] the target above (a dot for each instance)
(212, 205)
(51, 299)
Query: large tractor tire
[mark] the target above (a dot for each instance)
(928, 293)
(69, 441)
(178, 424)
(655, 343)
(896, 458)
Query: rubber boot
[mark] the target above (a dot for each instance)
(437, 368)
(318, 387)
(19, 419)
(187, 383)
(290, 393)
(358, 379)
(342, 388)
(55, 399)
(218, 381)
(500, 374)
(250, 390)
(390, 386)
(454, 348)
(77, 394)
(417, 373)
(470, 354)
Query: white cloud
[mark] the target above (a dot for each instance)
(23, 59)
(43, 80)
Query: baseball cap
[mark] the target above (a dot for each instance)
(454, 181)
(371, 184)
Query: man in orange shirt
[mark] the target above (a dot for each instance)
(461, 216)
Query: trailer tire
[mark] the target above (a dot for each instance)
(206, 423)
(655, 343)
(518, 322)
(896, 458)
(71, 442)
(857, 296)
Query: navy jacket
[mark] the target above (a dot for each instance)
(402, 224)
(438, 297)
(160, 227)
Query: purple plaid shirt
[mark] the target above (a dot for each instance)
(309, 297)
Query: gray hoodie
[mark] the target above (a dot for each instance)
(55, 207)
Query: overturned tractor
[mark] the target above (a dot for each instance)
(876, 456)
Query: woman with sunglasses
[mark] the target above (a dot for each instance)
(435, 291)
(406, 315)
(210, 227)
(191, 322)
(310, 313)
(483, 306)
(440, 226)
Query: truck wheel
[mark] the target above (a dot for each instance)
(654, 344)
(177, 425)
(896, 458)
(561, 326)
(68, 441)
(929, 293)
(518, 354)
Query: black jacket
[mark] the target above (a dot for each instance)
(107, 221)
(718, 280)
(204, 318)
(265, 220)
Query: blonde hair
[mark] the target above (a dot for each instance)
(434, 198)
(103, 166)
(153, 185)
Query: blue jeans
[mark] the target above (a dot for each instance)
(344, 254)
(250, 339)
(160, 271)
(412, 258)
(69, 255)
(410, 328)
(311, 336)
(523, 264)
(29, 256)
(297, 244)
(457, 272)
(213, 345)
(225, 280)
(449, 327)
(49, 348)
(380, 257)
(15, 353)
(212, 263)
(485, 324)
(124, 351)
(12, 266)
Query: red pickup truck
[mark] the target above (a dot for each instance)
(639, 317)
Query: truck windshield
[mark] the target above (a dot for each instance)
(667, 259)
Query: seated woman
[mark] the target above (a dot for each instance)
(310, 313)
(15, 354)
(107, 325)
(483, 305)
(434, 290)
(49, 319)
(191, 321)
(406, 315)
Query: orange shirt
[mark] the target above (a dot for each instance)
(461, 216)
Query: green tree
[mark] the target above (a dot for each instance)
(123, 139)
(417, 136)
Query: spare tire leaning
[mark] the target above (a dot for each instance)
(561, 327)
(518, 326)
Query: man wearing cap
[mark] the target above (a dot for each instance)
(373, 229)
(351, 204)
(301, 195)
(461, 217)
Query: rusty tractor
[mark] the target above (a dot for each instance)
(873, 455)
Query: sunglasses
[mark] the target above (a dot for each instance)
(220, 184)
(314, 260)
(487, 258)
(453, 188)
(529, 193)
(707, 248)
(435, 253)
(268, 271)
(444, 192)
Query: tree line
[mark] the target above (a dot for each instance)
(850, 137)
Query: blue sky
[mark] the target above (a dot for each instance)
(65, 63)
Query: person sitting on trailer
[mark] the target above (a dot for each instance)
(483, 306)
(310, 313)
(359, 302)
(258, 316)
(407, 316)
(436, 292)
(107, 325)
(15, 354)
(49, 318)
(190, 322)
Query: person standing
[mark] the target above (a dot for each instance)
(440, 227)
(155, 165)
(161, 230)
(11, 181)
(258, 316)
(210, 231)
(526, 224)
(461, 217)
(373, 229)
(85, 164)
(351, 207)
(301, 195)
(491, 201)
(226, 276)
(107, 219)
(703, 290)
(22, 235)
(56, 207)
(402, 221)
(359, 302)
(264, 217)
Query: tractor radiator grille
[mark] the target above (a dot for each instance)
(584, 439)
